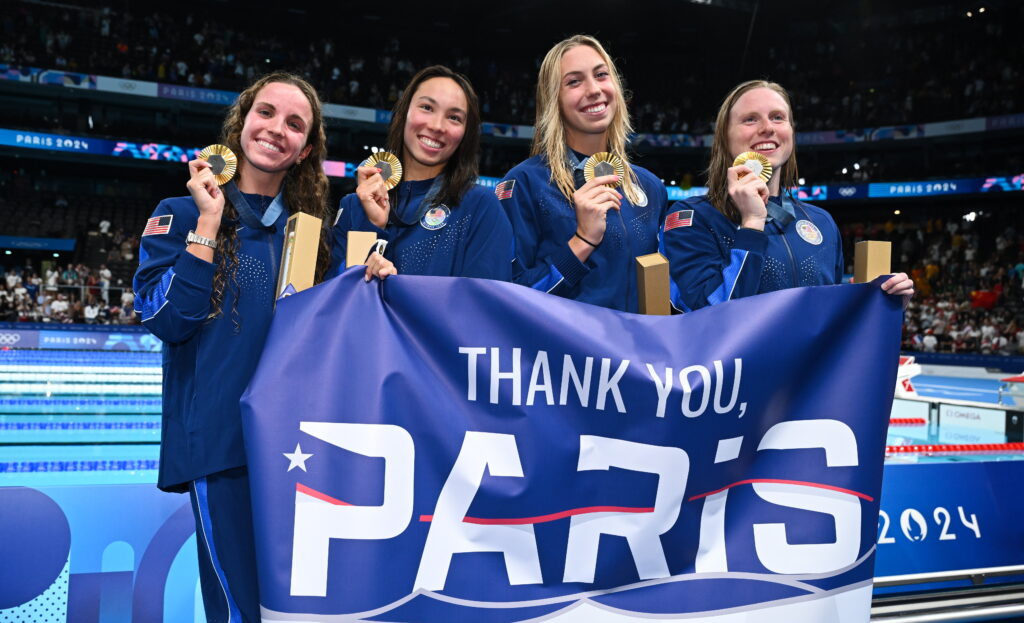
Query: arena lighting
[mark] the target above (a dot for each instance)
(896, 212)
(673, 182)
(801, 181)
(970, 216)
(58, 254)
(845, 170)
(7, 251)
(856, 166)
(969, 14)
(981, 10)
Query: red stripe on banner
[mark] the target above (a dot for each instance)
(816, 485)
(301, 488)
(521, 521)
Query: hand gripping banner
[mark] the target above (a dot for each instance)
(435, 449)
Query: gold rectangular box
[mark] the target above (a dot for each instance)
(871, 258)
(652, 278)
(359, 244)
(298, 261)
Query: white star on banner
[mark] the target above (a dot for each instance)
(297, 458)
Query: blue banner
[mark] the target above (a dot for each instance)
(77, 337)
(437, 449)
(971, 522)
(49, 244)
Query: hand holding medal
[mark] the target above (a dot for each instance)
(603, 173)
(375, 177)
(214, 167)
(749, 193)
(602, 164)
(757, 163)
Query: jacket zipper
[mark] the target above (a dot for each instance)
(789, 250)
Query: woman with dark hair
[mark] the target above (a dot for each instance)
(437, 221)
(208, 264)
(748, 236)
(575, 238)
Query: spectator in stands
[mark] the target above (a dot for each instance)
(59, 308)
(104, 280)
(437, 219)
(91, 311)
(560, 221)
(213, 310)
(748, 236)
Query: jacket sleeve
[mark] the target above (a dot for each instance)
(840, 260)
(490, 247)
(339, 241)
(704, 271)
(172, 287)
(554, 269)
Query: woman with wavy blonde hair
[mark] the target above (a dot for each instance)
(206, 283)
(577, 239)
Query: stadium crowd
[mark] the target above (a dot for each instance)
(969, 282)
(885, 69)
(72, 294)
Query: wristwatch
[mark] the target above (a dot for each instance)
(203, 240)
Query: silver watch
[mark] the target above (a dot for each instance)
(203, 240)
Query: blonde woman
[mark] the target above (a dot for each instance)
(576, 239)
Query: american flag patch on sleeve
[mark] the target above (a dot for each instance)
(682, 218)
(504, 189)
(158, 225)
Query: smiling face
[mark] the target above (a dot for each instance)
(586, 97)
(434, 127)
(276, 129)
(760, 121)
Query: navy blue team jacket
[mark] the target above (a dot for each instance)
(714, 260)
(206, 363)
(472, 239)
(544, 220)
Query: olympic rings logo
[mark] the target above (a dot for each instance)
(847, 191)
(9, 339)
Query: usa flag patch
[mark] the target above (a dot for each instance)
(504, 189)
(682, 218)
(158, 225)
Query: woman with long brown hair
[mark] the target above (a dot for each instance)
(574, 238)
(206, 282)
(748, 236)
(437, 221)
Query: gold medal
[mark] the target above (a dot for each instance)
(604, 163)
(223, 162)
(390, 167)
(755, 162)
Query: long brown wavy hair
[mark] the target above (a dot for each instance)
(549, 136)
(306, 188)
(461, 170)
(721, 159)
